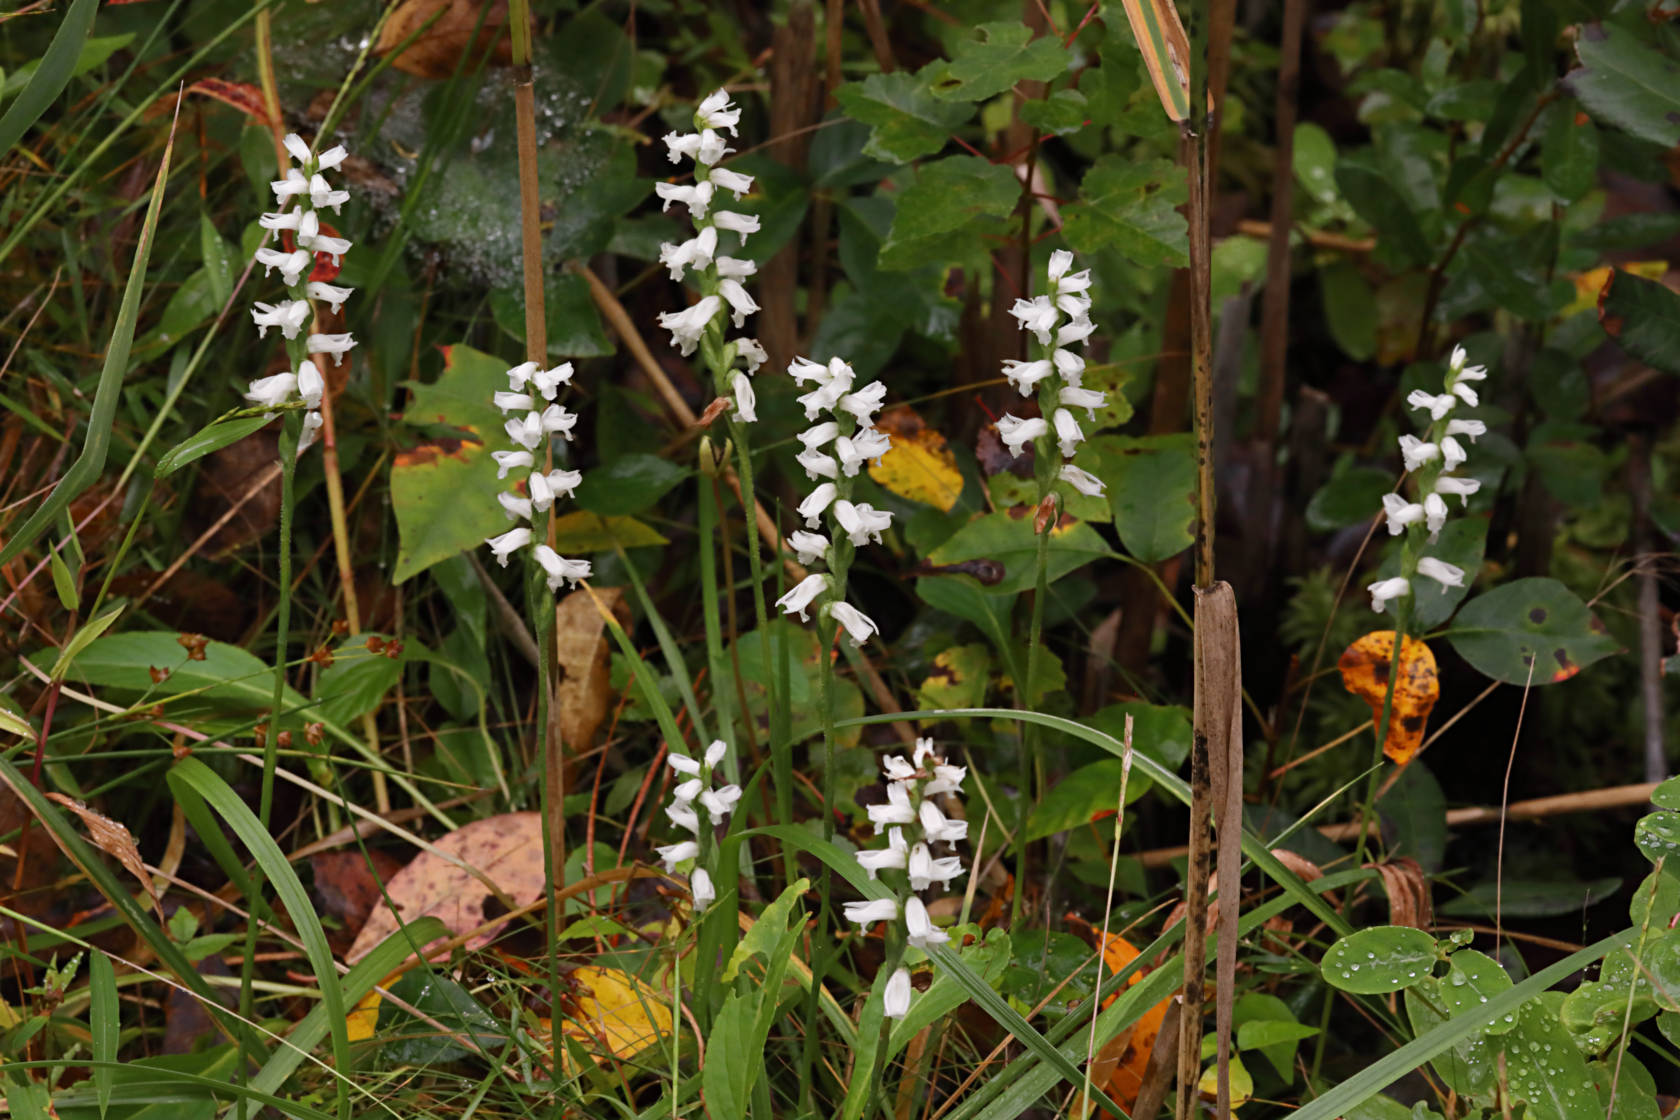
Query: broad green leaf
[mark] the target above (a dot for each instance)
(731, 1062)
(1643, 317)
(1627, 82)
(1569, 152)
(906, 121)
(958, 677)
(1502, 632)
(1416, 810)
(1004, 54)
(1667, 795)
(1531, 898)
(443, 489)
(1379, 960)
(629, 484)
(1062, 112)
(1658, 835)
(228, 677)
(1545, 1070)
(573, 325)
(1314, 159)
(1087, 795)
(1011, 542)
(1472, 979)
(210, 438)
(1350, 309)
(1469, 1066)
(937, 212)
(1352, 496)
(767, 931)
(1375, 198)
(357, 680)
(1151, 482)
(1129, 206)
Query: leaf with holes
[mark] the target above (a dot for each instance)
(1380, 960)
(1502, 632)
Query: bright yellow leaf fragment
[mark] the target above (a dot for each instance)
(613, 1015)
(920, 466)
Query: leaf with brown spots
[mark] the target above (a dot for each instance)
(243, 96)
(506, 850)
(1502, 632)
(444, 487)
(1365, 667)
(442, 31)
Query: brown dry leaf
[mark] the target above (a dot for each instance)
(613, 1014)
(1128, 1060)
(243, 96)
(347, 888)
(1365, 665)
(919, 466)
(506, 849)
(585, 657)
(449, 30)
(229, 478)
(1409, 900)
(114, 840)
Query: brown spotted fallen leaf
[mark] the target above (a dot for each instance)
(1129, 1057)
(1365, 666)
(919, 466)
(505, 849)
(114, 840)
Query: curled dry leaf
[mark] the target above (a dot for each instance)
(1365, 667)
(114, 839)
(443, 30)
(582, 648)
(1409, 900)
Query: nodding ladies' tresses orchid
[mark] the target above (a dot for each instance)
(531, 386)
(300, 197)
(914, 824)
(1431, 459)
(719, 276)
(698, 809)
(841, 439)
(1059, 319)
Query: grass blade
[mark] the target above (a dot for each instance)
(104, 1024)
(192, 774)
(51, 76)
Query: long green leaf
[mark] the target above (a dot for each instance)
(166, 1088)
(104, 1024)
(51, 76)
(91, 461)
(90, 863)
(192, 774)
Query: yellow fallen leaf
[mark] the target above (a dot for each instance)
(613, 1014)
(360, 1022)
(1242, 1085)
(919, 467)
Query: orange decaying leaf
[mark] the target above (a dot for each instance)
(1127, 1076)
(1365, 665)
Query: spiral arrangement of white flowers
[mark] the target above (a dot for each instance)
(718, 277)
(307, 187)
(531, 429)
(699, 809)
(1058, 319)
(835, 447)
(1430, 460)
(914, 823)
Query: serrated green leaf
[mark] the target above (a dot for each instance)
(1151, 483)
(1062, 112)
(906, 121)
(1129, 206)
(1004, 54)
(937, 214)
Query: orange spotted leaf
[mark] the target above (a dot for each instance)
(1365, 667)
(1126, 1075)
